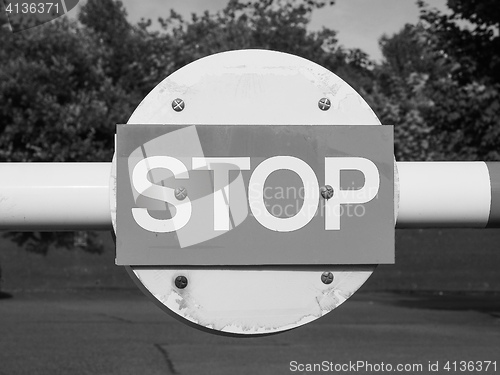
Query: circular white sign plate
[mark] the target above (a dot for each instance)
(250, 87)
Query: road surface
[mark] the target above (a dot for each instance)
(122, 332)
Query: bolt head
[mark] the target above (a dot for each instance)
(181, 282)
(180, 193)
(178, 105)
(327, 277)
(326, 192)
(324, 104)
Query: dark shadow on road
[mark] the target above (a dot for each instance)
(456, 301)
(4, 295)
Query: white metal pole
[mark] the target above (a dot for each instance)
(75, 196)
(449, 194)
(54, 196)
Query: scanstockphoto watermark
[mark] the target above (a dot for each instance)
(355, 366)
(26, 14)
(448, 366)
(289, 201)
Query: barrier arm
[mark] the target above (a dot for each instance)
(75, 196)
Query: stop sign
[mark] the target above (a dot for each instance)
(248, 200)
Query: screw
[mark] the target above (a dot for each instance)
(178, 105)
(324, 104)
(326, 192)
(327, 277)
(181, 282)
(180, 193)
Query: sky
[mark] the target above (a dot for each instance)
(359, 23)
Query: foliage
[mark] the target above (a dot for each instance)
(58, 103)
(399, 94)
(440, 82)
(467, 104)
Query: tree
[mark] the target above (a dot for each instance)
(467, 103)
(399, 94)
(439, 83)
(468, 37)
(58, 103)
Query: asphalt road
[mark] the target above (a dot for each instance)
(122, 332)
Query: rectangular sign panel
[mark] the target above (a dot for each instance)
(254, 195)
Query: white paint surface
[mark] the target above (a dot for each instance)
(54, 196)
(443, 194)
